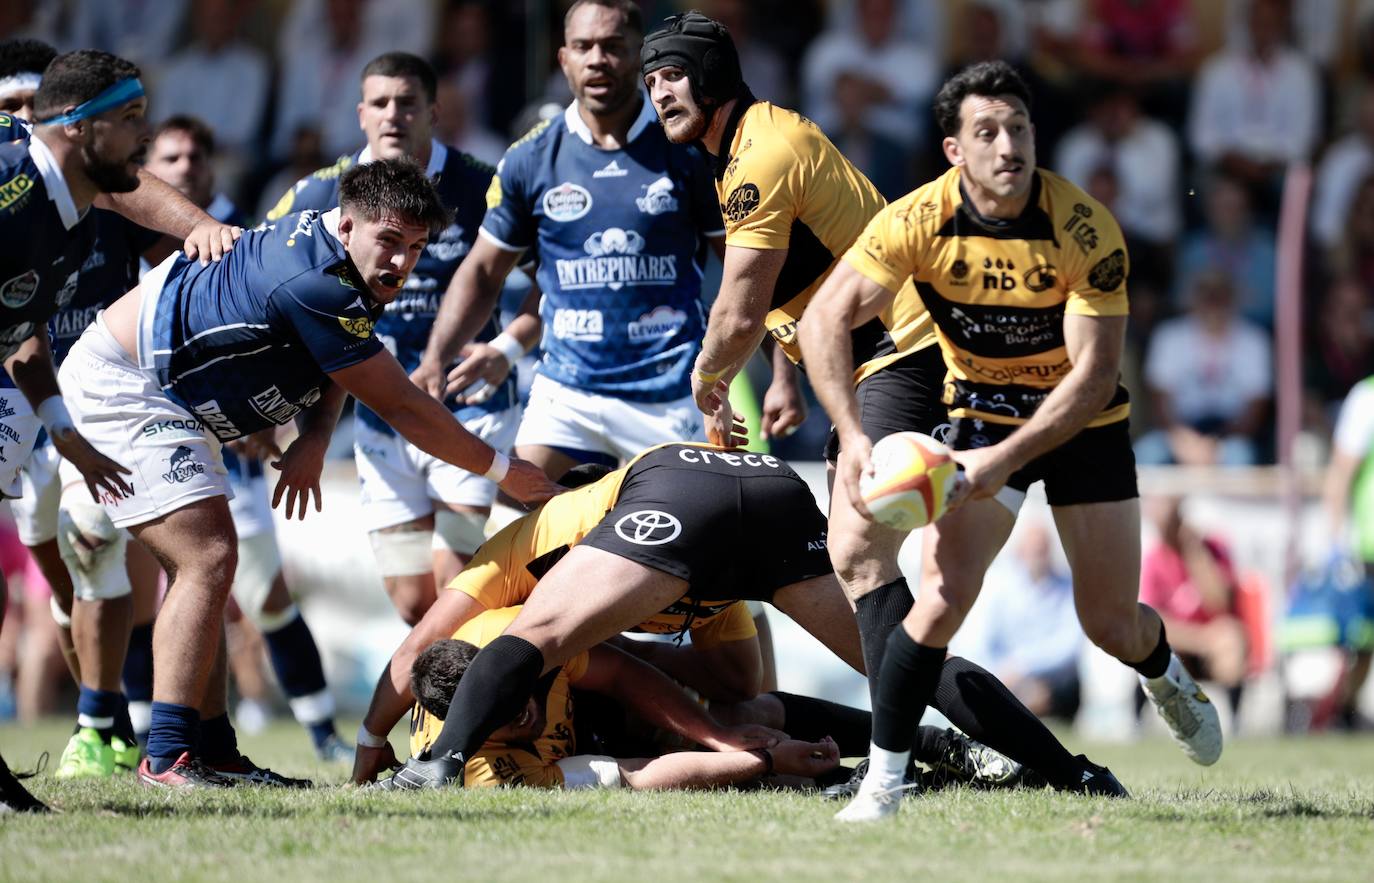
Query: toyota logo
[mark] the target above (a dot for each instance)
(648, 527)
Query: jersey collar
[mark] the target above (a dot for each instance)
(1003, 224)
(437, 154)
(727, 137)
(56, 185)
(573, 120)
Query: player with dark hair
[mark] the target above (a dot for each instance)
(1025, 276)
(425, 517)
(288, 317)
(21, 70)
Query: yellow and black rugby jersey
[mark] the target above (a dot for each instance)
(499, 763)
(999, 291)
(504, 571)
(782, 184)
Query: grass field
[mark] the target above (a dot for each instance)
(1270, 810)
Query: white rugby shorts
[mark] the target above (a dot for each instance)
(123, 413)
(560, 416)
(35, 512)
(251, 506)
(400, 482)
(19, 427)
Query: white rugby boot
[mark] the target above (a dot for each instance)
(1191, 716)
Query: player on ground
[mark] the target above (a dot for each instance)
(181, 154)
(619, 220)
(285, 328)
(425, 517)
(84, 149)
(684, 529)
(1025, 276)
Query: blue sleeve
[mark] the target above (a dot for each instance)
(319, 190)
(331, 321)
(510, 211)
(705, 203)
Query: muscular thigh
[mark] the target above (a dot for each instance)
(199, 535)
(1102, 544)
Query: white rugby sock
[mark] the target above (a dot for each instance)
(886, 769)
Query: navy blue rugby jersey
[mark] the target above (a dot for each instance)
(246, 343)
(620, 237)
(46, 240)
(404, 328)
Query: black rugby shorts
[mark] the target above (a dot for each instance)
(904, 396)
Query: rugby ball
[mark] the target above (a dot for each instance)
(913, 478)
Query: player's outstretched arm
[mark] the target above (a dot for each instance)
(157, 205)
(847, 300)
(31, 369)
(697, 769)
(392, 698)
(469, 301)
(654, 697)
(1094, 345)
(381, 384)
(303, 461)
(736, 324)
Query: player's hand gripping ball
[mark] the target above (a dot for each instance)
(913, 479)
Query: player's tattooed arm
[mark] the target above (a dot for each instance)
(847, 300)
(157, 205)
(471, 297)
(31, 369)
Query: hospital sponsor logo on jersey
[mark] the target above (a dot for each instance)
(214, 418)
(18, 291)
(1019, 328)
(567, 202)
(657, 198)
(587, 326)
(648, 527)
(612, 169)
(449, 246)
(275, 407)
(13, 191)
(660, 323)
(182, 466)
(615, 260)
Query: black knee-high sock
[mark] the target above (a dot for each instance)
(877, 614)
(906, 684)
(812, 719)
(500, 680)
(982, 706)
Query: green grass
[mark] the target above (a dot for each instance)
(1271, 810)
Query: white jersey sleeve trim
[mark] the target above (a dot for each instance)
(504, 246)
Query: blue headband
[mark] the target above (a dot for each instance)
(121, 92)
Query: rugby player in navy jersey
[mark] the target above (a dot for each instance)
(425, 516)
(619, 220)
(197, 355)
(85, 148)
(181, 154)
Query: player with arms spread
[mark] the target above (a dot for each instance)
(210, 354)
(425, 517)
(1025, 276)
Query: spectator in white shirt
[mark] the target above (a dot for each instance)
(1256, 110)
(897, 76)
(1344, 165)
(1210, 376)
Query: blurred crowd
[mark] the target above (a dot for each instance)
(1181, 116)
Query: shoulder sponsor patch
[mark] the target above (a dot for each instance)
(17, 292)
(360, 327)
(567, 202)
(1109, 273)
(741, 202)
(494, 191)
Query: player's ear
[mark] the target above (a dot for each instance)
(360, 115)
(345, 228)
(953, 152)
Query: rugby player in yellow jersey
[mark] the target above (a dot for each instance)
(792, 206)
(680, 532)
(1025, 276)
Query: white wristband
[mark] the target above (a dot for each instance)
(52, 413)
(507, 346)
(500, 465)
(368, 739)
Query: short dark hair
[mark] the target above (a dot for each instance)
(436, 672)
(193, 126)
(629, 13)
(584, 474)
(24, 56)
(396, 186)
(986, 78)
(404, 64)
(74, 78)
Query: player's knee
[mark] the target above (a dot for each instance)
(412, 597)
(1115, 635)
(462, 531)
(402, 553)
(93, 550)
